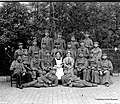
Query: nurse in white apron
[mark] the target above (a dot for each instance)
(57, 63)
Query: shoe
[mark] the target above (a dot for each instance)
(94, 85)
(107, 85)
(45, 85)
(70, 85)
(20, 87)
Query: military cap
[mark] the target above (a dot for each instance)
(69, 43)
(48, 52)
(36, 52)
(104, 54)
(59, 33)
(82, 41)
(96, 42)
(87, 33)
(57, 43)
(20, 43)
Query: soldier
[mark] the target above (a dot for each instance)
(46, 63)
(88, 42)
(56, 49)
(20, 51)
(35, 66)
(68, 62)
(74, 43)
(61, 41)
(18, 70)
(33, 48)
(73, 81)
(42, 52)
(83, 50)
(50, 79)
(81, 65)
(106, 69)
(73, 51)
(48, 41)
(97, 52)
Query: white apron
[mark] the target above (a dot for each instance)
(59, 68)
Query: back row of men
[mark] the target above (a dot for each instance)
(76, 65)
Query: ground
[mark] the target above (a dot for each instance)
(61, 95)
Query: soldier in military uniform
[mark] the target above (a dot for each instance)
(20, 51)
(56, 49)
(73, 51)
(42, 52)
(88, 42)
(68, 62)
(33, 48)
(48, 41)
(35, 66)
(50, 79)
(97, 52)
(73, 81)
(18, 70)
(46, 63)
(61, 41)
(81, 65)
(106, 69)
(74, 43)
(83, 50)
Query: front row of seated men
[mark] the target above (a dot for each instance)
(83, 72)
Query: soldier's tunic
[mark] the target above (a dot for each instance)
(88, 43)
(62, 43)
(74, 45)
(46, 64)
(97, 53)
(49, 43)
(68, 79)
(82, 64)
(84, 51)
(106, 68)
(35, 66)
(18, 52)
(69, 63)
(42, 53)
(32, 50)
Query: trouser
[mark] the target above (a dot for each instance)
(18, 78)
(95, 77)
(28, 77)
(86, 74)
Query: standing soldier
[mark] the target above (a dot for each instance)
(46, 63)
(74, 43)
(73, 81)
(88, 42)
(97, 52)
(70, 49)
(43, 51)
(35, 66)
(61, 41)
(33, 48)
(56, 49)
(106, 69)
(81, 65)
(20, 51)
(48, 41)
(83, 50)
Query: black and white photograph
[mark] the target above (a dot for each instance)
(59, 52)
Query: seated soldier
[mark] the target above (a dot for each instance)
(18, 70)
(35, 66)
(81, 65)
(46, 63)
(106, 69)
(73, 81)
(68, 62)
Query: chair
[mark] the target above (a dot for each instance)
(13, 79)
